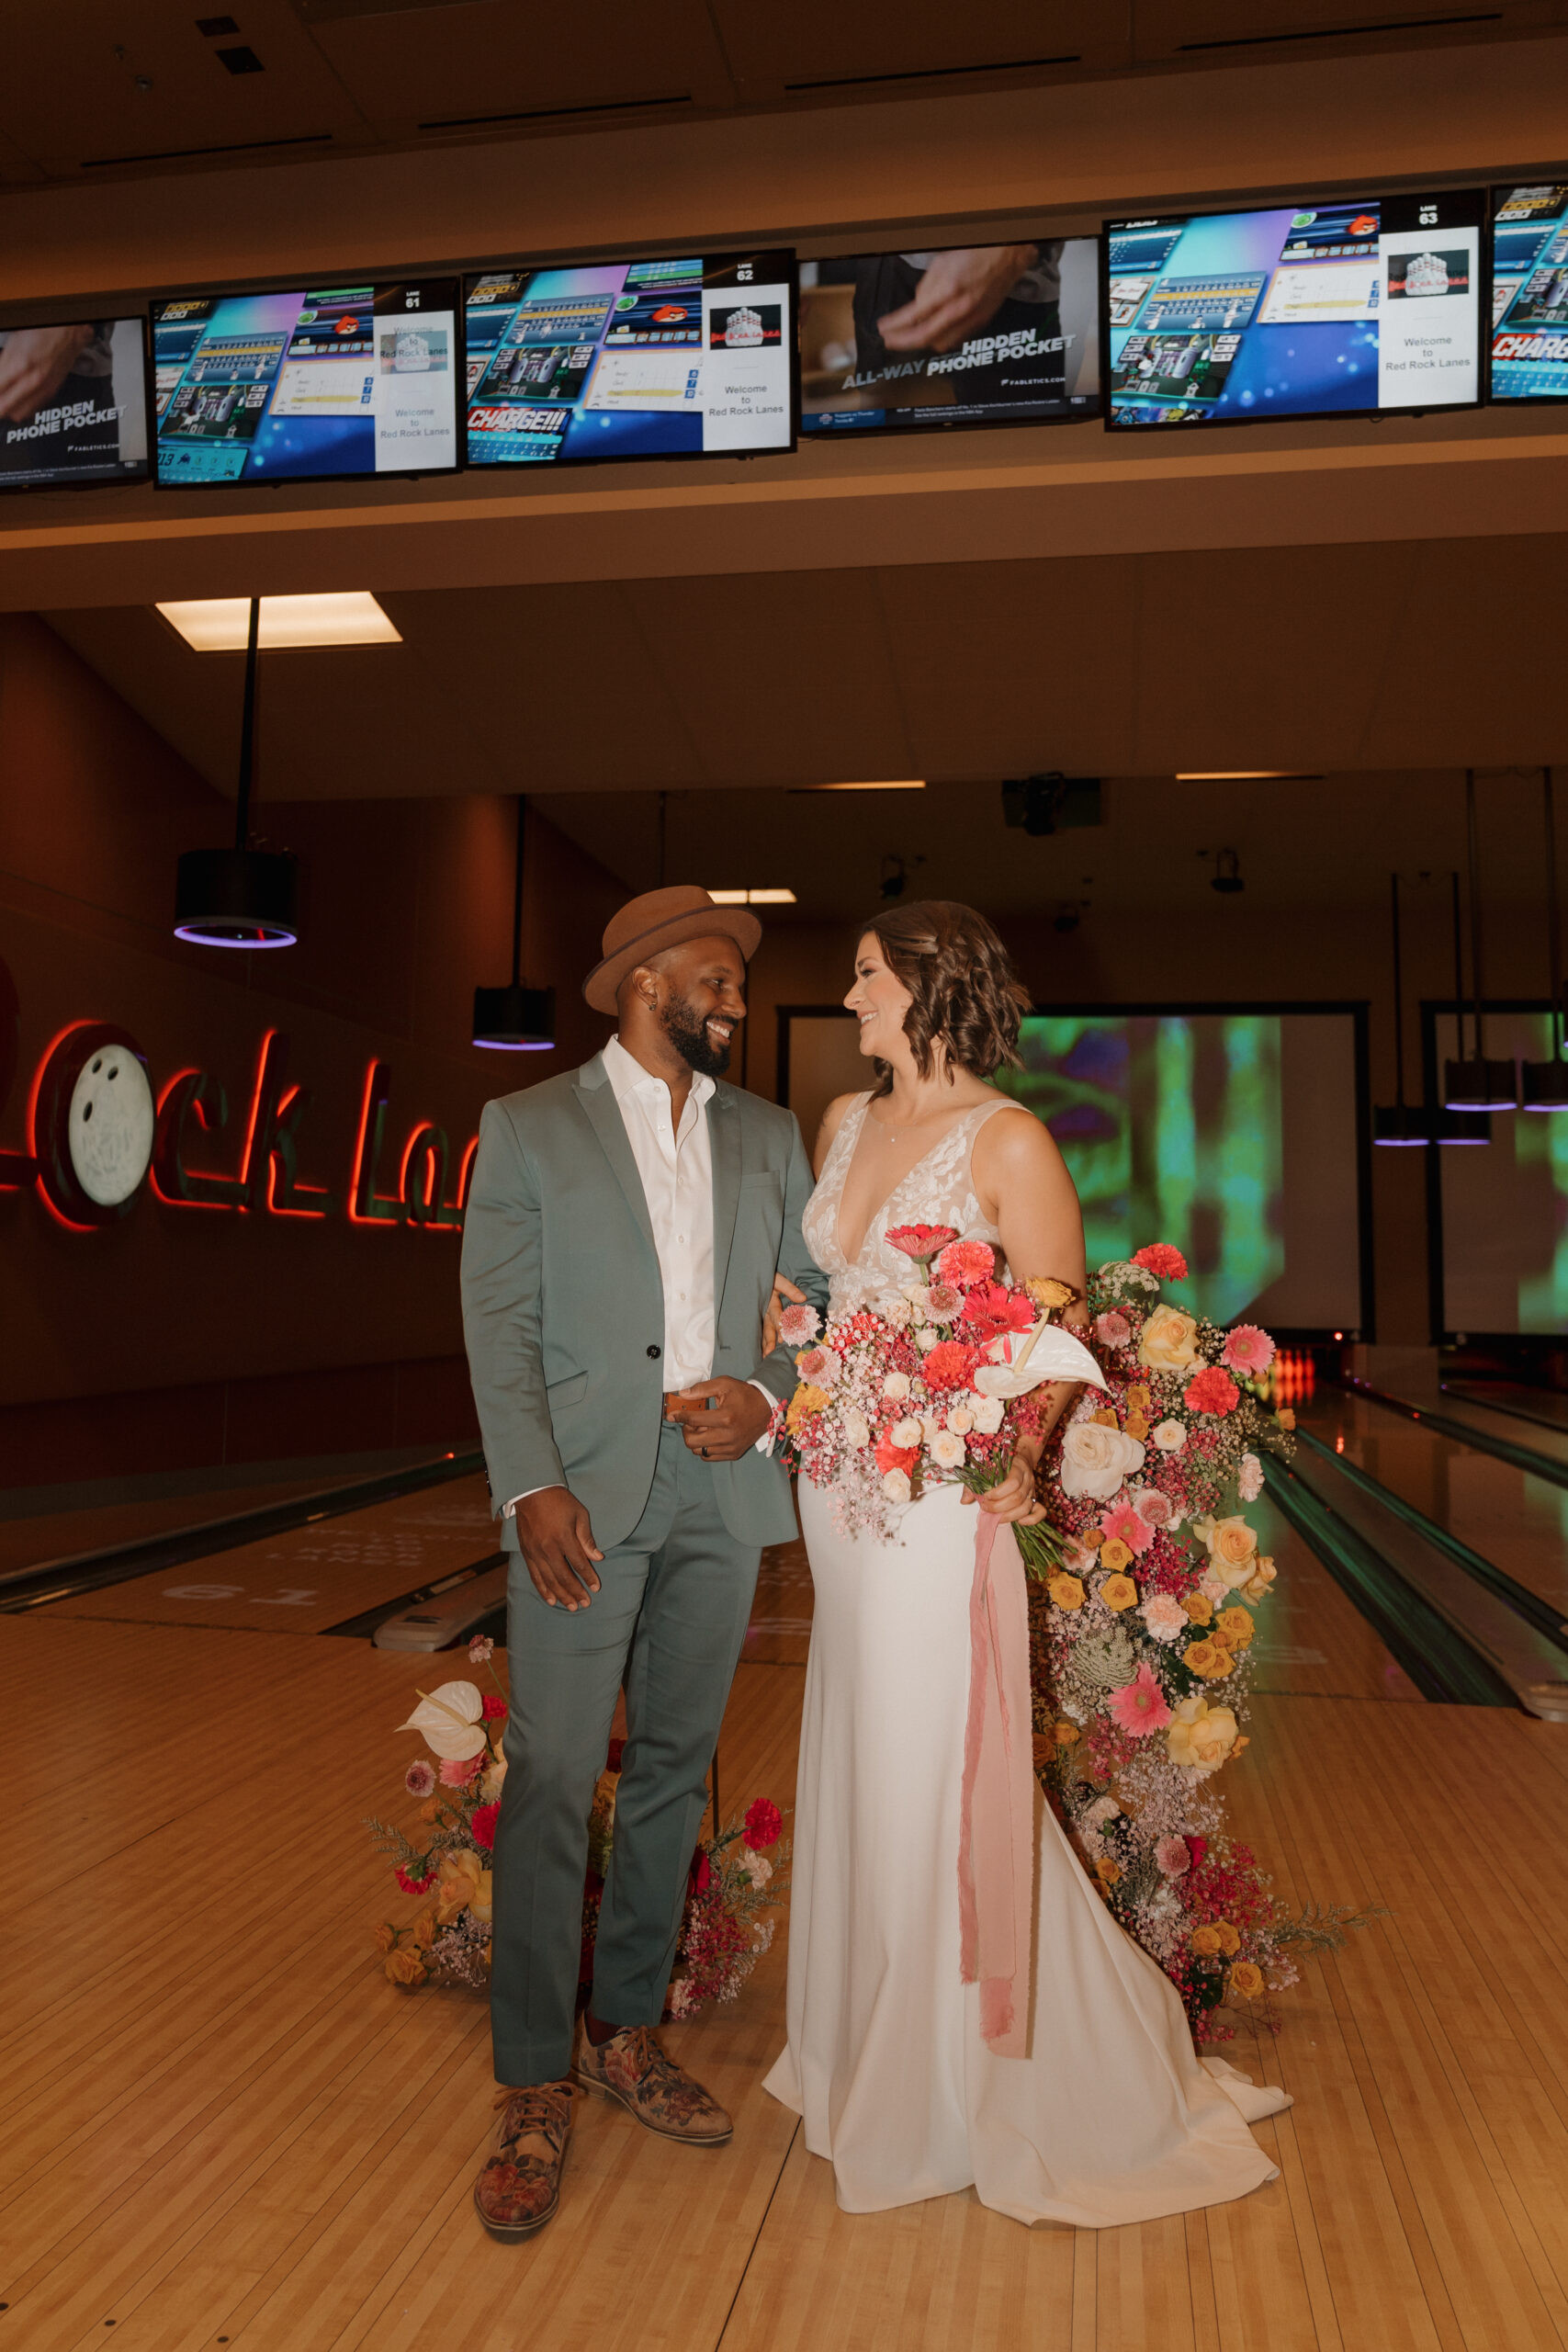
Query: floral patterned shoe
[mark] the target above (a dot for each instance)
(633, 2068)
(519, 2186)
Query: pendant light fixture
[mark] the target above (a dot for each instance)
(514, 1019)
(1543, 1086)
(1400, 1123)
(1459, 1126)
(1476, 1084)
(240, 897)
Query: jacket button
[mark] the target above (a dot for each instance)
(654, 1351)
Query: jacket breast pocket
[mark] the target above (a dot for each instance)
(562, 1394)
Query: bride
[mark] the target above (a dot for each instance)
(1107, 2115)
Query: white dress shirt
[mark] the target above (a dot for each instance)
(676, 1169)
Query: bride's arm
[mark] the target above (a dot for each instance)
(1025, 1192)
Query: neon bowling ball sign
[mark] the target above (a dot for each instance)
(98, 1137)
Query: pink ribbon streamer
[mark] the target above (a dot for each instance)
(996, 1849)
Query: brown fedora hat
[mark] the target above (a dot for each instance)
(662, 918)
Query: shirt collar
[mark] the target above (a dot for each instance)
(628, 1077)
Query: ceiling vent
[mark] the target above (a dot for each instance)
(1342, 32)
(935, 74)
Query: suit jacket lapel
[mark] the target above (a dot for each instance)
(597, 1097)
(723, 1144)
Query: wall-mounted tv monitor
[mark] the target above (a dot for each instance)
(1530, 293)
(72, 404)
(969, 334)
(327, 382)
(1302, 310)
(692, 356)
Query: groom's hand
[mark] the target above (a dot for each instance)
(723, 1418)
(558, 1547)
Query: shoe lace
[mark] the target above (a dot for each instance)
(654, 2063)
(544, 2108)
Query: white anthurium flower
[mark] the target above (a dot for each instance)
(1026, 1360)
(452, 1720)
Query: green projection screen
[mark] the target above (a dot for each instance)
(1504, 1206)
(1233, 1132)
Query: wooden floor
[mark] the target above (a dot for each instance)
(223, 2126)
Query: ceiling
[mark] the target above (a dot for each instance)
(1409, 656)
(97, 87)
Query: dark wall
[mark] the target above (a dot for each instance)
(182, 1333)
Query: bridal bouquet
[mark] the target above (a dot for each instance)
(1142, 1636)
(448, 1860)
(934, 1389)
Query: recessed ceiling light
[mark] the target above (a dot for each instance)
(914, 786)
(752, 898)
(219, 624)
(1247, 776)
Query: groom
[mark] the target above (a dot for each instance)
(624, 1226)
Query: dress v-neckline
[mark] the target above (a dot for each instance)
(883, 1206)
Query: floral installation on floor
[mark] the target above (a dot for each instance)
(732, 1879)
(1142, 1636)
(934, 1389)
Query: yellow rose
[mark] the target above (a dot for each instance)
(1285, 1418)
(430, 1808)
(807, 1401)
(1168, 1340)
(1206, 1943)
(1106, 1417)
(424, 1930)
(460, 1876)
(1256, 1587)
(1118, 1592)
(1066, 1735)
(1232, 1548)
(386, 1935)
(1245, 1979)
(405, 1967)
(1235, 1627)
(1207, 1657)
(1138, 1399)
(1107, 1871)
(1065, 1590)
(1201, 1737)
(1230, 1941)
(1049, 1294)
(1115, 1554)
(1198, 1607)
(1137, 1426)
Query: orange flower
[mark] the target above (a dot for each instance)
(1138, 1398)
(1285, 1418)
(386, 1935)
(1118, 1592)
(1137, 1426)
(1235, 1628)
(1206, 1942)
(1066, 1735)
(1114, 1554)
(1207, 1658)
(1245, 1979)
(1065, 1590)
(1199, 1607)
(1230, 1942)
(405, 1967)
(1107, 1873)
(1106, 1417)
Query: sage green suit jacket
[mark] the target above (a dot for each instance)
(563, 1309)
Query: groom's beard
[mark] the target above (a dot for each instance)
(691, 1040)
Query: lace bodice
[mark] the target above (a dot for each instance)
(937, 1189)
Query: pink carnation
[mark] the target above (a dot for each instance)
(1130, 1526)
(964, 1263)
(456, 1771)
(1173, 1857)
(821, 1366)
(1211, 1391)
(798, 1325)
(1112, 1330)
(1162, 1259)
(1247, 1350)
(1140, 1705)
(919, 1240)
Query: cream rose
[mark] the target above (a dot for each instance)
(947, 1449)
(1169, 1436)
(1097, 1460)
(906, 1432)
(856, 1429)
(962, 1419)
(1201, 1737)
(1257, 1584)
(1232, 1548)
(986, 1413)
(1168, 1340)
(897, 1385)
(896, 1486)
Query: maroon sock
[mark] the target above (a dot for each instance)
(598, 2032)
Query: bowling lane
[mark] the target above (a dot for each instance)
(1515, 1520)
(313, 1577)
(1311, 1641)
(1546, 1408)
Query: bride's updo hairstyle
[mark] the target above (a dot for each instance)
(967, 997)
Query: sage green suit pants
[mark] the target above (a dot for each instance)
(669, 1619)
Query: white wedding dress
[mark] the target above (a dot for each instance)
(1112, 2118)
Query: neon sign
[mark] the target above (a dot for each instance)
(96, 1139)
